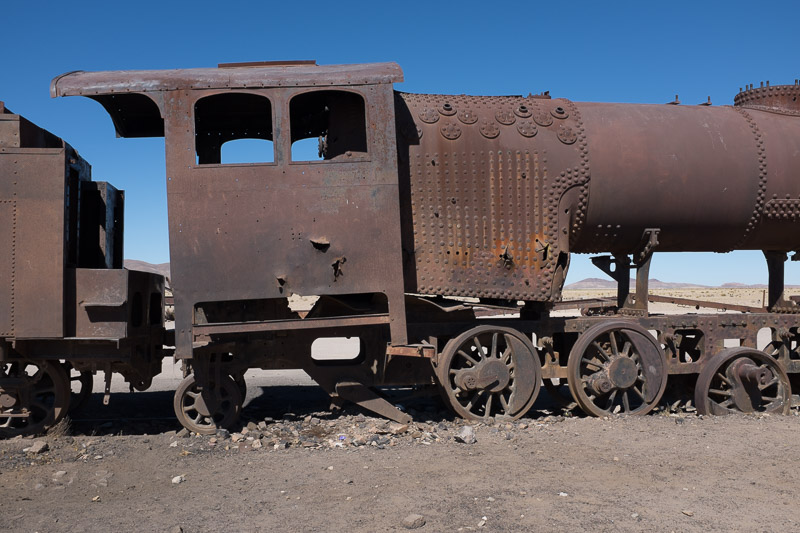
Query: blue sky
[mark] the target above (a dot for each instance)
(586, 51)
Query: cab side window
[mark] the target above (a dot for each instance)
(328, 125)
(233, 128)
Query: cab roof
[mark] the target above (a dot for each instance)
(130, 96)
(225, 76)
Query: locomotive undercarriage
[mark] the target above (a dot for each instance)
(490, 362)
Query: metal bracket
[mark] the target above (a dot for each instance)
(776, 301)
(627, 303)
(107, 392)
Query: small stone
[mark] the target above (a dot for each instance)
(183, 433)
(413, 521)
(397, 429)
(223, 433)
(176, 529)
(96, 499)
(173, 444)
(38, 486)
(562, 494)
(466, 435)
(245, 431)
(38, 446)
(490, 499)
(58, 476)
(616, 458)
(330, 468)
(482, 522)
(178, 479)
(687, 512)
(256, 444)
(236, 437)
(635, 516)
(252, 426)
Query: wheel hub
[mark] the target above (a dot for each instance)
(623, 372)
(492, 376)
(7, 400)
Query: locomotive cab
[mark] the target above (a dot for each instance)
(250, 229)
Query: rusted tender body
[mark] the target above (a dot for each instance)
(419, 212)
(67, 307)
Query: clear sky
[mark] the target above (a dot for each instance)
(585, 51)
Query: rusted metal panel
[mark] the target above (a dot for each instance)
(7, 266)
(145, 81)
(35, 182)
(101, 308)
(262, 231)
(117, 303)
(486, 179)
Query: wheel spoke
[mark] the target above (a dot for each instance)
(475, 396)
(590, 362)
(610, 401)
(493, 354)
(600, 350)
(625, 403)
(638, 393)
(488, 408)
(466, 356)
(503, 403)
(613, 339)
(772, 382)
(720, 392)
(724, 379)
(478, 345)
(626, 349)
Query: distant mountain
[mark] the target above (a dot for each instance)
(599, 283)
(134, 264)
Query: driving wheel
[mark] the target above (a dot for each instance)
(742, 380)
(203, 410)
(490, 372)
(616, 367)
(34, 396)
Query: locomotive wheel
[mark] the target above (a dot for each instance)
(742, 380)
(34, 396)
(80, 387)
(558, 389)
(617, 367)
(490, 372)
(204, 411)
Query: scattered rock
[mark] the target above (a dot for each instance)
(183, 433)
(563, 494)
(236, 437)
(223, 433)
(176, 529)
(173, 444)
(687, 512)
(413, 521)
(38, 446)
(397, 429)
(178, 479)
(466, 435)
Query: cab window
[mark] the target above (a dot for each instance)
(328, 125)
(233, 128)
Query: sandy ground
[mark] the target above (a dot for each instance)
(315, 470)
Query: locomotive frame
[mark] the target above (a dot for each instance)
(436, 230)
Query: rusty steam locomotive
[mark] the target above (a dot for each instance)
(433, 231)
